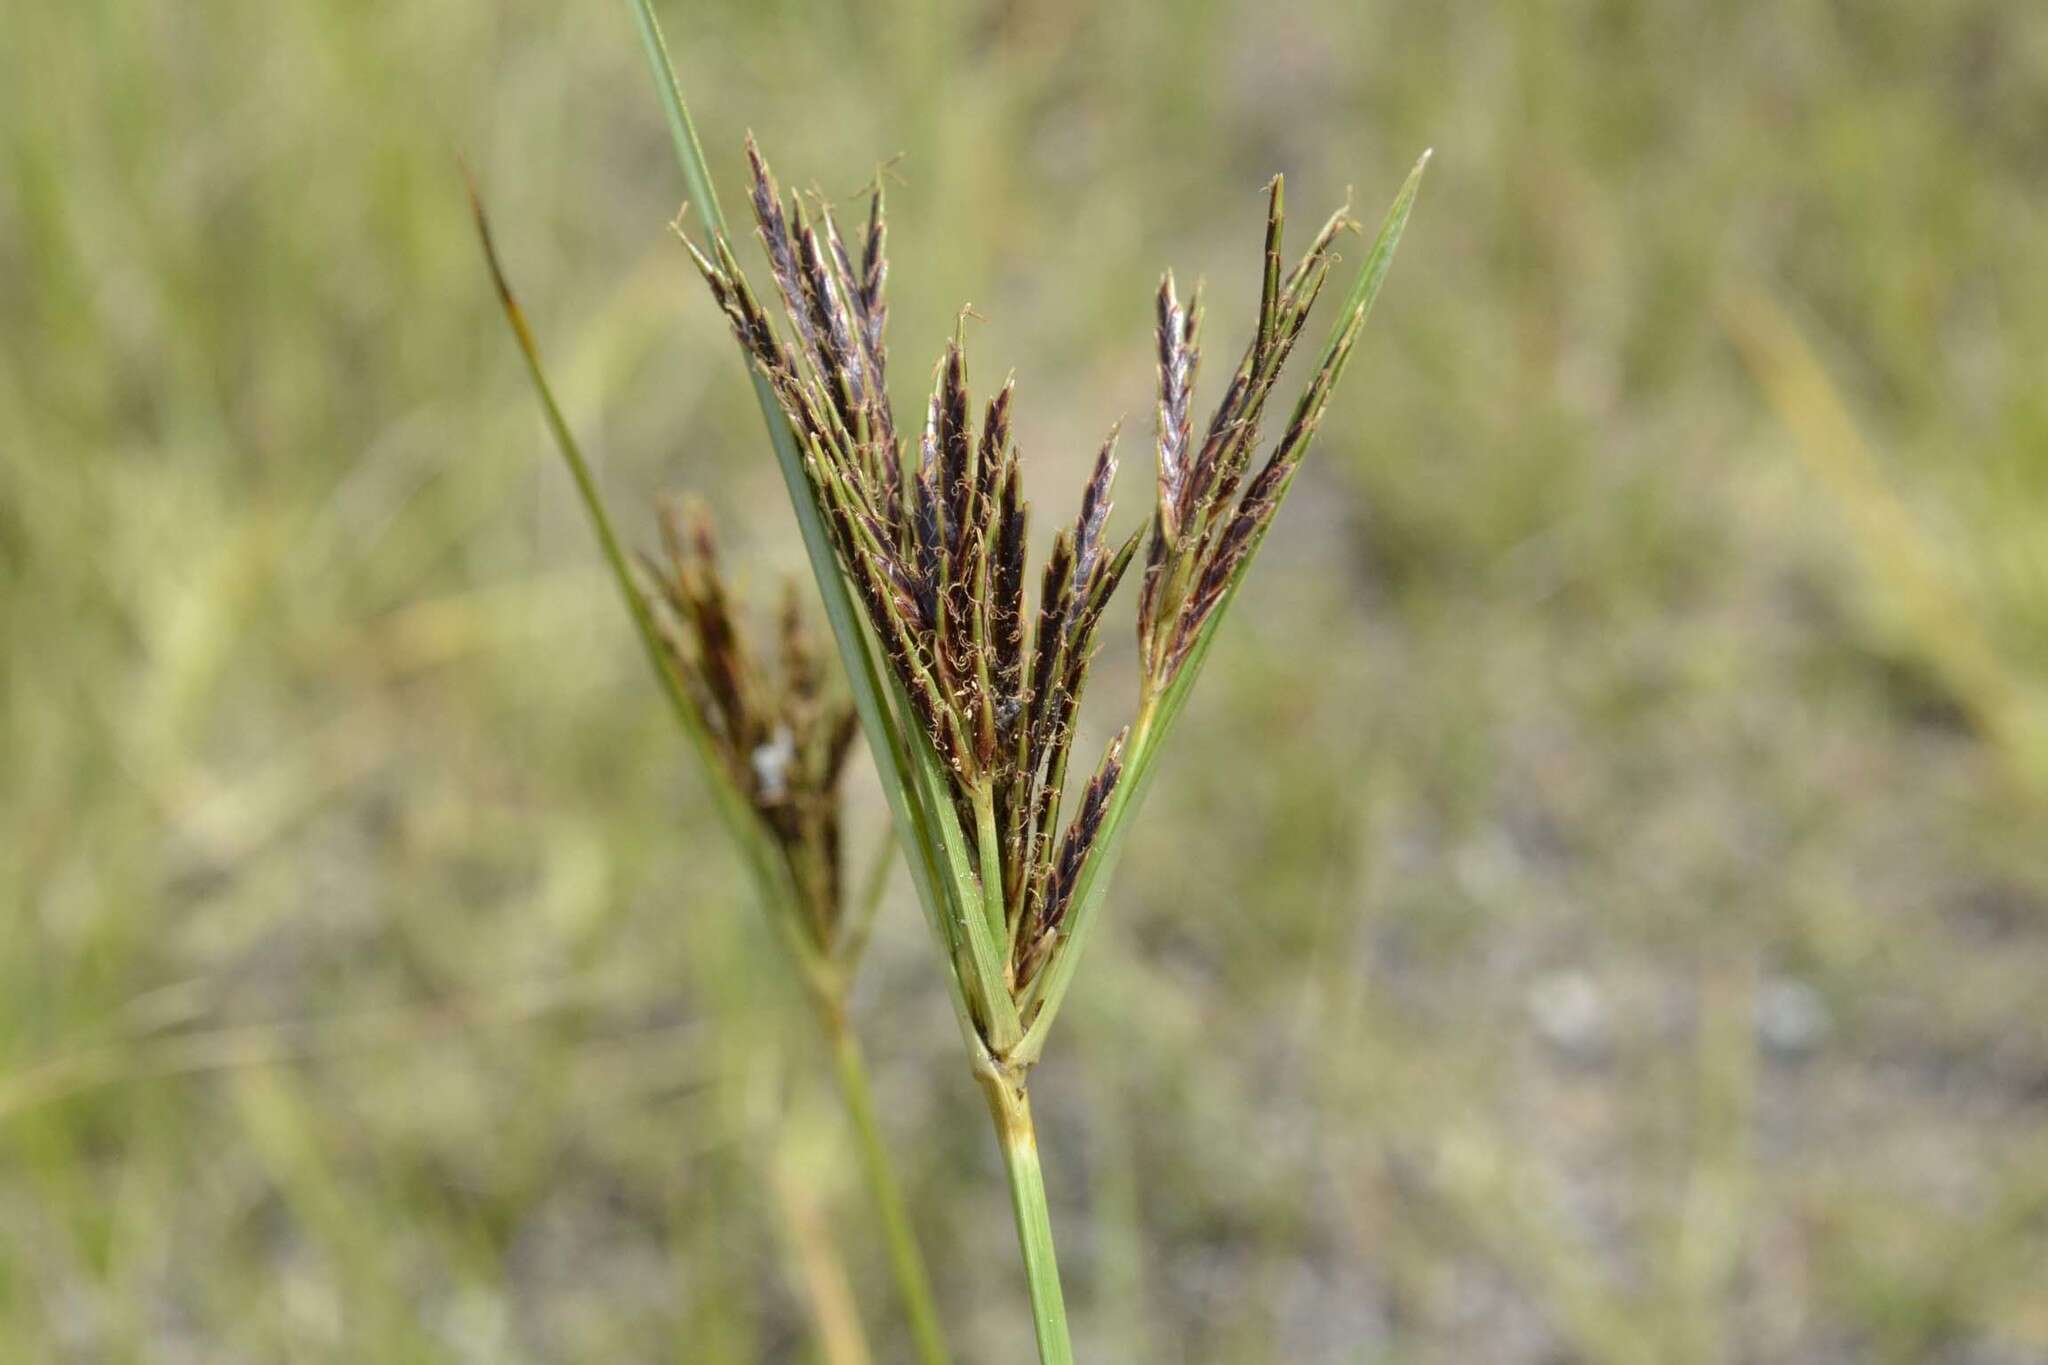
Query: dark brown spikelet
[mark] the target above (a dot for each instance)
(874, 272)
(1178, 357)
(1095, 508)
(951, 432)
(843, 357)
(1007, 591)
(874, 315)
(1045, 725)
(1080, 836)
(925, 532)
(1070, 678)
(860, 285)
(1049, 639)
(1208, 591)
(1055, 876)
(1012, 694)
(773, 226)
(994, 458)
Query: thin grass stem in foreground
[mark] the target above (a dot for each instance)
(905, 1259)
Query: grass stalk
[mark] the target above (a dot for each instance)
(841, 1338)
(1009, 1106)
(913, 1280)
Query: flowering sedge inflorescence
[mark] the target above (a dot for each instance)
(779, 732)
(967, 694)
(934, 550)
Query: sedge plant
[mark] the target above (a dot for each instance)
(984, 687)
(968, 693)
(772, 735)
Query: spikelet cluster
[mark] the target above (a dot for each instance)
(1209, 518)
(933, 540)
(781, 733)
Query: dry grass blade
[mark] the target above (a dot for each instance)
(730, 804)
(1944, 624)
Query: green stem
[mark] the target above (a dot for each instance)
(991, 848)
(681, 131)
(913, 1281)
(1009, 1104)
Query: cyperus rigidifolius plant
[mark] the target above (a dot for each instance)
(772, 741)
(984, 686)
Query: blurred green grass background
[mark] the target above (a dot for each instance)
(1599, 907)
